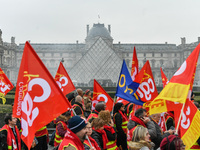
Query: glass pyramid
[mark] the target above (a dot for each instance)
(100, 62)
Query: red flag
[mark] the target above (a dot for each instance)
(190, 123)
(5, 85)
(99, 94)
(147, 90)
(37, 95)
(164, 78)
(63, 80)
(135, 67)
(121, 100)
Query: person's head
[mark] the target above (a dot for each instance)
(172, 142)
(100, 106)
(141, 113)
(78, 99)
(98, 124)
(105, 116)
(89, 129)
(80, 92)
(156, 117)
(118, 106)
(140, 133)
(77, 125)
(10, 120)
(88, 92)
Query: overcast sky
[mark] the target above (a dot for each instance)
(132, 21)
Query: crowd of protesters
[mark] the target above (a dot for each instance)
(98, 129)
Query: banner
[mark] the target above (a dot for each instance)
(126, 88)
(135, 67)
(63, 80)
(38, 99)
(5, 86)
(99, 94)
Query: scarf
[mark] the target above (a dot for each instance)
(104, 137)
(123, 115)
(109, 128)
(72, 136)
(139, 121)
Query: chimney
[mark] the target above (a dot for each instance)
(198, 39)
(183, 41)
(77, 42)
(109, 29)
(12, 40)
(87, 29)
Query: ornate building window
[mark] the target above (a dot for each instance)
(153, 63)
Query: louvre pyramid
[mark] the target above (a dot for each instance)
(100, 62)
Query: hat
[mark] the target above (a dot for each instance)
(87, 91)
(167, 142)
(76, 123)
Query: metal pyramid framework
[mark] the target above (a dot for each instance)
(100, 62)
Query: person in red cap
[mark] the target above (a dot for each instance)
(75, 135)
(172, 142)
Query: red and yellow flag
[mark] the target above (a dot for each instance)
(177, 88)
(5, 85)
(63, 80)
(135, 67)
(99, 94)
(165, 81)
(37, 95)
(190, 124)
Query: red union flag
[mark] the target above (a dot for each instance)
(37, 95)
(5, 85)
(135, 68)
(63, 80)
(164, 78)
(147, 90)
(99, 94)
(190, 123)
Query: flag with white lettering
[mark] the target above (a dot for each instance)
(37, 96)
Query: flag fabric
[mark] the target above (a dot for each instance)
(165, 81)
(121, 100)
(99, 94)
(135, 67)
(126, 88)
(190, 123)
(147, 90)
(5, 86)
(63, 80)
(177, 88)
(38, 99)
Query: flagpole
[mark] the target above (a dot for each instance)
(164, 121)
(113, 106)
(179, 120)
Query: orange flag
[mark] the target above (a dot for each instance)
(147, 90)
(190, 124)
(165, 81)
(63, 80)
(177, 88)
(99, 94)
(5, 85)
(37, 95)
(135, 68)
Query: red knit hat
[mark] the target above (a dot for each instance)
(167, 141)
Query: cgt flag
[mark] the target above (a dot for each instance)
(165, 81)
(5, 85)
(63, 80)
(99, 94)
(126, 88)
(37, 95)
(147, 90)
(135, 67)
(177, 88)
(189, 125)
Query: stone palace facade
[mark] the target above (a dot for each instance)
(98, 58)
